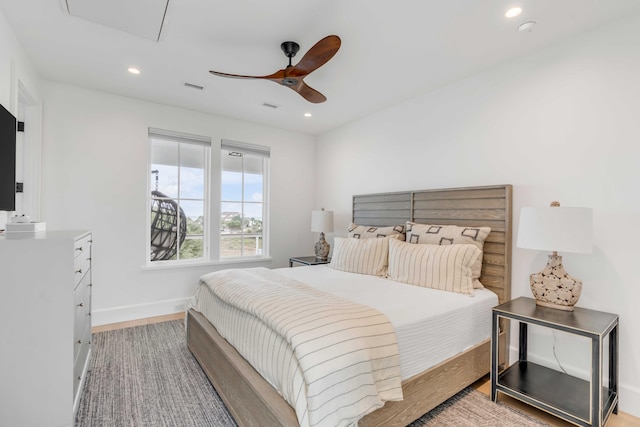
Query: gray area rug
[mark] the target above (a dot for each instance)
(145, 376)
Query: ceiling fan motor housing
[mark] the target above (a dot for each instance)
(290, 49)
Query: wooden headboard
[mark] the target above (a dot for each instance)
(488, 206)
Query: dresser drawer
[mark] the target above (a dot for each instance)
(83, 246)
(79, 366)
(82, 339)
(82, 304)
(82, 334)
(82, 253)
(82, 295)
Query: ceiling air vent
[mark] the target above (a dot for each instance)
(193, 86)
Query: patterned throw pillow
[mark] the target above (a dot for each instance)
(367, 231)
(451, 235)
(363, 256)
(443, 267)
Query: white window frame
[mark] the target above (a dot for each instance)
(183, 138)
(259, 151)
(213, 200)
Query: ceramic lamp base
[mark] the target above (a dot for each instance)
(553, 287)
(322, 248)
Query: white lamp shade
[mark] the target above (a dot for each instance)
(322, 221)
(558, 229)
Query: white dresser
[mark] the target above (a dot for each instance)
(45, 326)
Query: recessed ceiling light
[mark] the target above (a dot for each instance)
(133, 70)
(513, 12)
(307, 114)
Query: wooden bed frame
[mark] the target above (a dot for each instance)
(254, 402)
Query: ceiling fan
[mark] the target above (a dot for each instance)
(292, 76)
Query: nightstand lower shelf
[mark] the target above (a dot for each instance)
(546, 388)
(550, 390)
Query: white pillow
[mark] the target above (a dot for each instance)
(444, 267)
(364, 256)
(451, 235)
(368, 231)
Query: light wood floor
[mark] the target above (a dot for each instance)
(483, 385)
(140, 322)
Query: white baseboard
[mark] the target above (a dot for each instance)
(628, 396)
(139, 311)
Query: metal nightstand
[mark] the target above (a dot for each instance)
(308, 260)
(584, 403)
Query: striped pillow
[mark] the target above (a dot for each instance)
(444, 267)
(451, 235)
(364, 256)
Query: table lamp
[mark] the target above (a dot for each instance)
(556, 229)
(322, 221)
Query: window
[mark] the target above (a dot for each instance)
(243, 204)
(178, 197)
(184, 196)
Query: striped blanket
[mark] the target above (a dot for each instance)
(346, 353)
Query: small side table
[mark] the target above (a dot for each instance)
(308, 260)
(584, 403)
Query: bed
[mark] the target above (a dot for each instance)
(253, 401)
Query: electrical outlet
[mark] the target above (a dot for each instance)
(179, 307)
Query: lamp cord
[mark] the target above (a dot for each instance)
(554, 351)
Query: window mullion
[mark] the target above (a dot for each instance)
(179, 202)
(242, 210)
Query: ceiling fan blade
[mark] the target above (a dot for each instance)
(309, 93)
(237, 76)
(317, 56)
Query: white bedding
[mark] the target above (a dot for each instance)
(431, 325)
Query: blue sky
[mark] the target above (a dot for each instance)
(192, 186)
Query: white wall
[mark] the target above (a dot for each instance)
(95, 177)
(561, 124)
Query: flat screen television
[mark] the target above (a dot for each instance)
(7, 160)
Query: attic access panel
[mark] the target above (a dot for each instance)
(143, 18)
